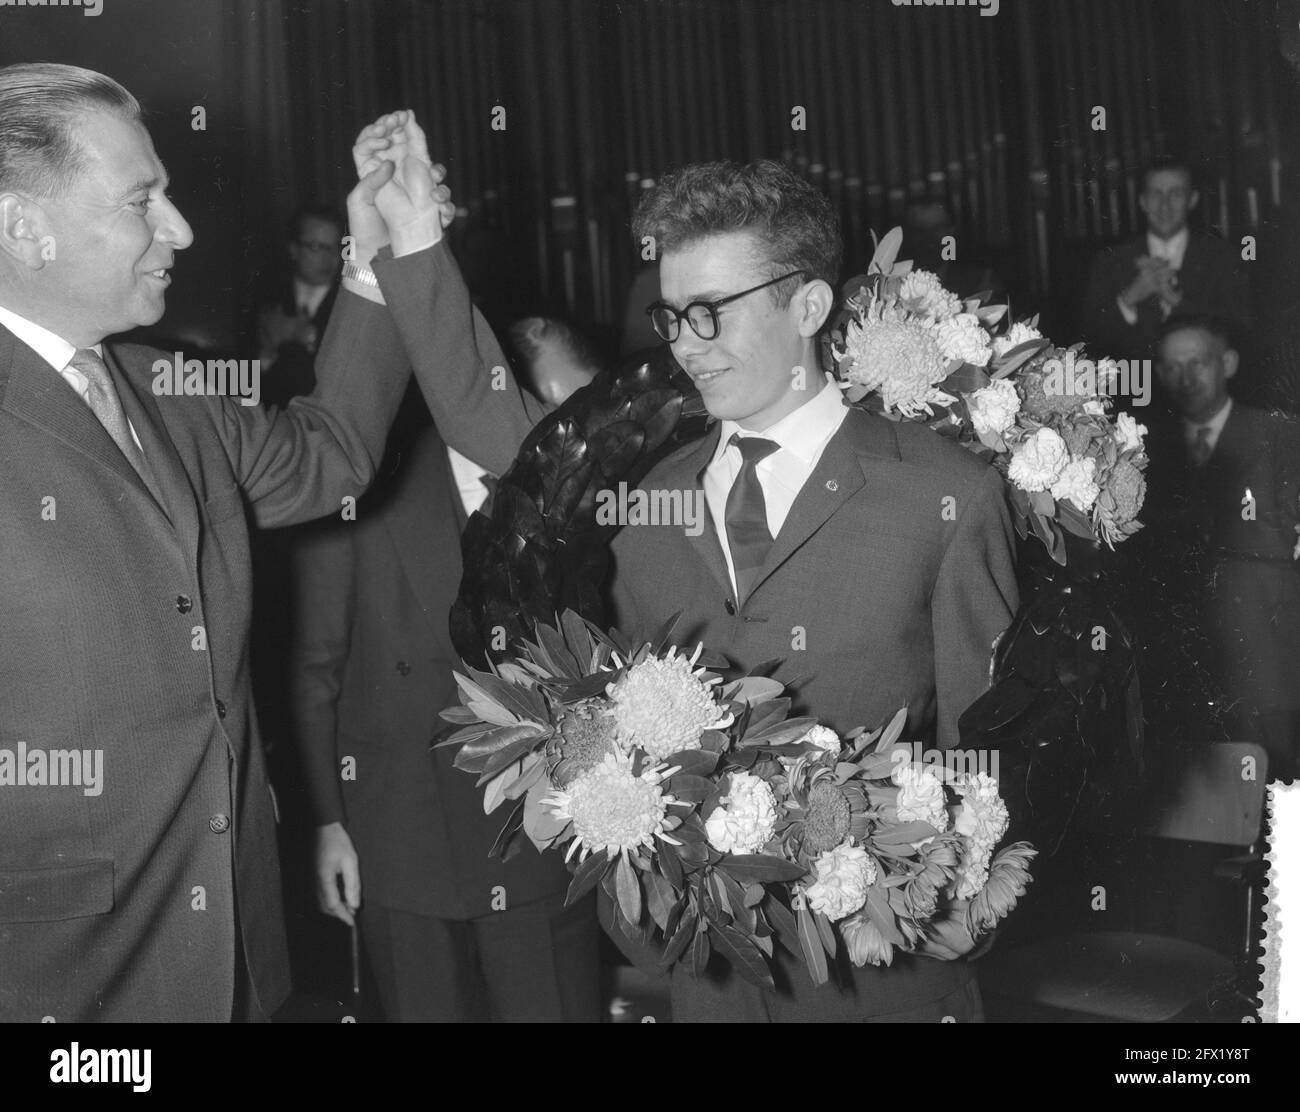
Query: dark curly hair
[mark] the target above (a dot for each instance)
(795, 222)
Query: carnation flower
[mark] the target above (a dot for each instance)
(888, 350)
(661, 705)
(827, 824)
(920, 796)
(824, 738)
(745, 818)
(922, 293)
(1077, 484)
(866, 945)
(843, 876)
(982, 820)
(963, 337)
(1016, 335)
(1129, 433)
(612, 809)
(587, 735)
(993, 408)
(1128, 488)
(1038, 461)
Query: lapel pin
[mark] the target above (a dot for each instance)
(832, 485)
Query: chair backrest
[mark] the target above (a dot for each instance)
(1211, 794)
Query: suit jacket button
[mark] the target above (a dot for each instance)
(403, 669)
(221, 709)
(218, 824)
(730, 606)
(184, 604)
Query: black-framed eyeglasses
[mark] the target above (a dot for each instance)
(702, 316)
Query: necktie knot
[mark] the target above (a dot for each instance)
(1201, 447)
(753, 448)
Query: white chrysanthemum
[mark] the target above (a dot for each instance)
(745, 819)
(920, 796)
(843, 876)
(1128, 432)
(973, 872)
(1016, 335)
(993, 408)
(612, 809)
(1077, 484)
(662, 706)
(922, 293)
(1038, 461)
(890, 351)
(963, 337)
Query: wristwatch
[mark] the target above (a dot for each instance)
(361, 274)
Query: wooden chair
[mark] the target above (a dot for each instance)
(1130, 976)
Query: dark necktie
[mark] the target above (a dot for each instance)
(1201, 451)
(747, 531)
(101, 396)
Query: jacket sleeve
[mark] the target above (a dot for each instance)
(975, 598)
(323, 603)
(299, 463)
(479, 408)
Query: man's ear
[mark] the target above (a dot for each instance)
(1230, 361)
(817, 299)
(22, 232)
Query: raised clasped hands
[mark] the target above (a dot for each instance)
(400, 198)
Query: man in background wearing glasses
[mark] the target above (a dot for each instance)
(871, 559)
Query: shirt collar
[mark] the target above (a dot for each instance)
(1174, 248)
(1214, 424)
(802, 432)
(55, 350)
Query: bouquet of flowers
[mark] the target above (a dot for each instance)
(715, 822)
(905, 346)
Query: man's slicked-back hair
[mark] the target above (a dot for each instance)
(793, 221)
(39, 102)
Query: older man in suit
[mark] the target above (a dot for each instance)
(1134, 287)
(871, 559)
(1225, 495)
(154, 893)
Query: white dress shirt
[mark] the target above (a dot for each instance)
(58, 353)
(1173, 250)
(469, 481)
(803, 436)
(308, 298)
(1214, 424)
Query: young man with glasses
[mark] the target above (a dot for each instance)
(870, 559)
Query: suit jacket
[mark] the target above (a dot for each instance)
(125, 630)
(1250, 604)
(894, 601)
(374, 664)
(1212, 279)
(294, 371)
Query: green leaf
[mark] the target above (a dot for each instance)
(783, 922)
(1019, 355)
(752, 690)
(504, 847)
(882, 262)
(700, 951)
(689, 789)
(906, 832)
(512, 751)
(474, 755)
(814, 953)
(744, 956)
(628, 886)
(695, 762)
(585, 878)
(827, 933)
(883, 916)
(541, 824)
(495, 793)
(660, 898)
(670, 865)
(759, 868)
(681, 938)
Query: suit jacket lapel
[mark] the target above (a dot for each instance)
(839, 475)
(175, 497)
(38, 394)
(686, 473)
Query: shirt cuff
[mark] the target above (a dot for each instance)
(1129, 315)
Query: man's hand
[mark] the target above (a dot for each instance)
(365, 224)
(1153, 276)
(336, 860)
(415, 204)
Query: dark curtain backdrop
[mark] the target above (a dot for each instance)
(600, 96)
